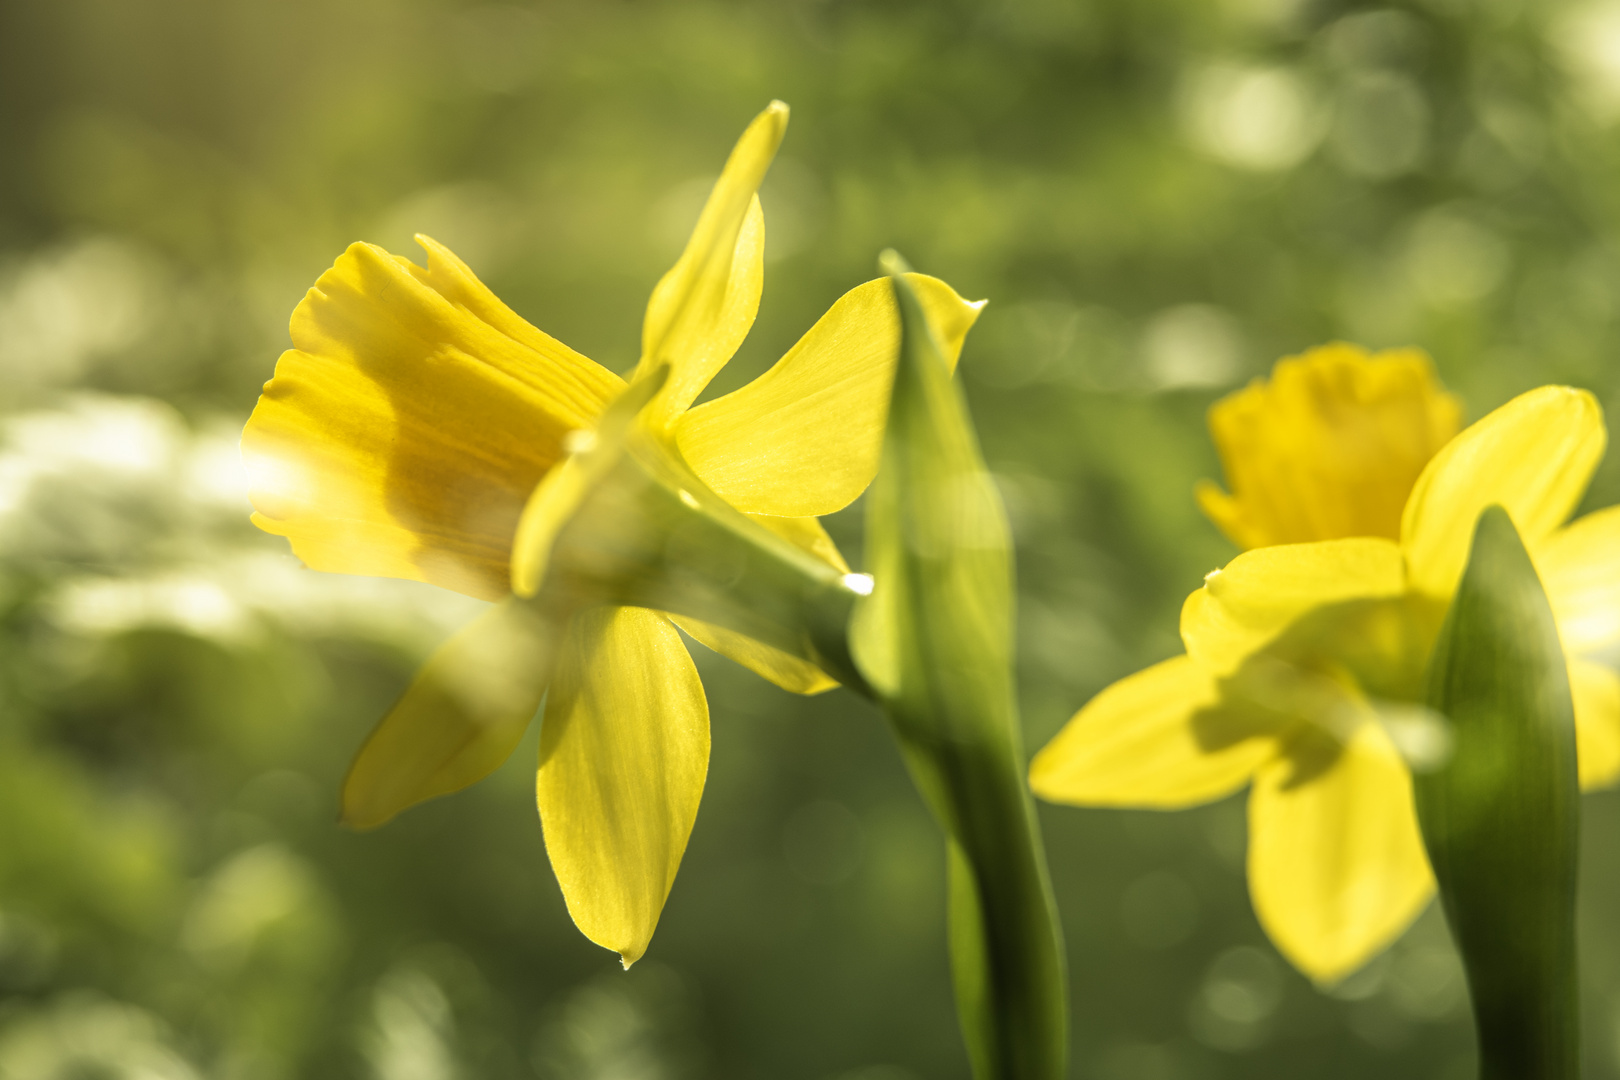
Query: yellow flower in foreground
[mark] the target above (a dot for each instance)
(403, 436)
(1305, 661)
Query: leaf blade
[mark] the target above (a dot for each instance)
(1501, 818)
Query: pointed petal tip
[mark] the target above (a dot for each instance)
(1043, 771)
(348, 818)
(890, 262)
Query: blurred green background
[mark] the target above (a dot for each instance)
(1159, 198)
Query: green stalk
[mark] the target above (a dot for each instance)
(935, 642)
(1501, 817)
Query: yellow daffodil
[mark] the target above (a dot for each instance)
(417, 416)
(1306, 655)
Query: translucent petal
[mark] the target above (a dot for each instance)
(702, 309)
(807, 533)
(1533, 456)
(1159, 738)
(403, 433)
(462, 716)
(1579, 566)
(803, 438)
(624, 750)
(1328, 447)
(789, 672)
(1337, 867)
(1246, 605)
(1596, 689)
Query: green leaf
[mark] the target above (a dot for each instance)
(1501, 817)
(934, 641)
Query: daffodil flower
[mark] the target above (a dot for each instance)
(1306, 655)
(418, 416)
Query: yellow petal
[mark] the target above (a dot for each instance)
(789, 672)
(1329, 447)
(1596, 689)
(808, 534)
(803, 439)
(701, 310)
(1579, 566)
(1336, 863)
(1533, 456)
(403, 433)
(1250, 602)
(1159, 738)
(624, 750)
(462, 716)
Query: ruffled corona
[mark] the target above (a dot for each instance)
(1328, 447)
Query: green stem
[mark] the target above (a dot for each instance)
(1006, 950)
(935, 639)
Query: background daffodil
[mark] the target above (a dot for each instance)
(1305, 655)
(406, 430)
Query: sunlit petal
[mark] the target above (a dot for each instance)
(806, 533)
(1596, 689)
(1336, 863)
(1246, 605)
(1159, 738)
(404, 432)
(624, 750)
(804, 437)
(1328, 447)
(462, 716)
(1579, 566)
(789, 672)
(1533, 456)
(701, 310)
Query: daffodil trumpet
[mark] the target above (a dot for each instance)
(421, 429)
(1304, 677)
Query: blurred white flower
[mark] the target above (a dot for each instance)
(131, 437)
(65, 307)
(110, 605)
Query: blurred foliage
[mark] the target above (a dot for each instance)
(1159, 197)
